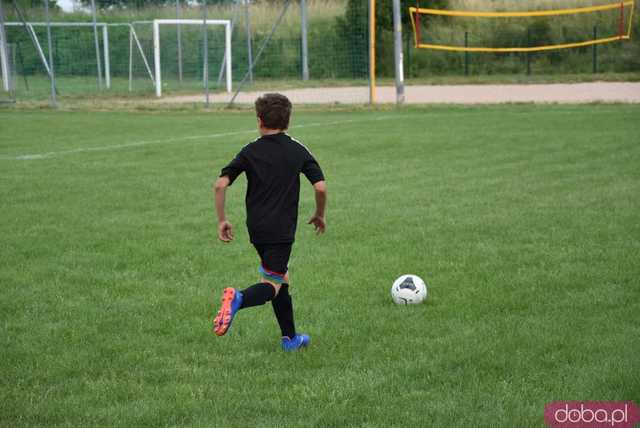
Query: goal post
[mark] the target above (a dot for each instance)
(156, 45)
(4, 54)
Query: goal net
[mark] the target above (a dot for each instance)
(75, 60)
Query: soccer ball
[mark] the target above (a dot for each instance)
(408, 290)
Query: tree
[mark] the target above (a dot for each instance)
(139, 4)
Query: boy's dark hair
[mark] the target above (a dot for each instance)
(274, 110)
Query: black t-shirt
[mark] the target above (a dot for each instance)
(273, 164)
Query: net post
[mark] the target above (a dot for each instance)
(595, 50)
(417, 23)
(621, 25)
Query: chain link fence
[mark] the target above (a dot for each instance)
(337, 50)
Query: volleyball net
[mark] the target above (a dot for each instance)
(526, 31)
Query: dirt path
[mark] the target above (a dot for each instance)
(625, 92)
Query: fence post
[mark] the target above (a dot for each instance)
(397, 39)
(97, 43)
(528, 53)
(595, 50)
(303, 36)
(466, 53)
(179, 35)
(247, 27)
(205, 52)
(52, 77)
(409, 56)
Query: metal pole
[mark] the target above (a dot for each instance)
(247, 25)
(34, 38)
(466, 53)
(528, 53)
(156, 58)
(223, 64)
(205, 66)
(105, 47)
(39, 49)
(407, 47)
(142, 54)
(303, 34)
(4, 54)
(595, 50)
(97, 42)
(264, 44)
(397, 39)
(130, 58)
(227, 54)
(179, 42)
(372, 51)
(52, 78)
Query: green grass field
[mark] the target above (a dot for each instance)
(524, 221)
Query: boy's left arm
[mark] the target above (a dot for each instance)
(314, 174)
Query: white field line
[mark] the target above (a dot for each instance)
(36, 156)
(47, 155)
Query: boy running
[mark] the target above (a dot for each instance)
(273, 164)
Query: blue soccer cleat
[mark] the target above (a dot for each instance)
(231, 303)
(300, 341)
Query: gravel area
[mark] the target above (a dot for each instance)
(623, 92)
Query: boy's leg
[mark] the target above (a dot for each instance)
(274, 268)
(283, 309)
(274, 259)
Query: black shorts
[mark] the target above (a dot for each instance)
(274, 261)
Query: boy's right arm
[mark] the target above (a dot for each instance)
(227, 177)
(317, 220)
(225, 229)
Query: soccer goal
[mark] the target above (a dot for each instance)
(157, 23)
(74, 47)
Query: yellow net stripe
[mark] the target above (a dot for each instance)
(531, 49)
(413, 11)
(554, 12)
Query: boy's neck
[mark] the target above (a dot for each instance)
(265, 131)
